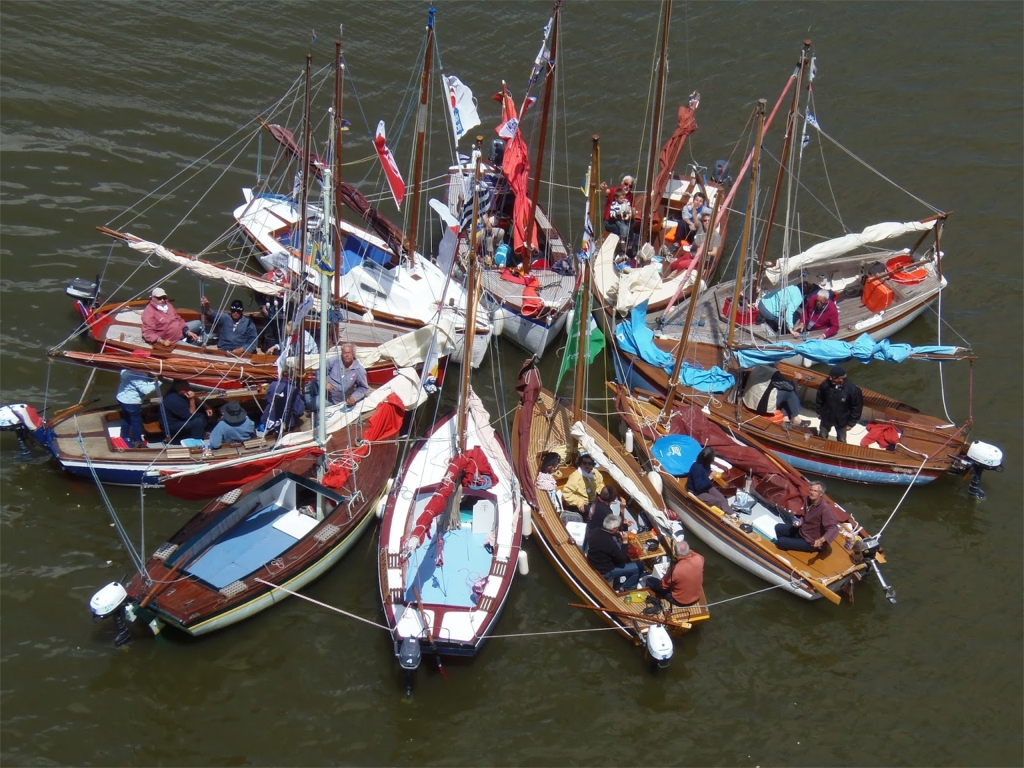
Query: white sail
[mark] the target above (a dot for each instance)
(838, 246)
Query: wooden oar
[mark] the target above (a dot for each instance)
(430, 635)
(633, 616)
(64, 413)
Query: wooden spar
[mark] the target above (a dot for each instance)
(681, 352)
(583, 310)
(755, 172)
(471, 302)
(338, 95)
(421, 128)
(786, 146)
(539, 165)
(659, 94)
(636, 616)
(304, 205)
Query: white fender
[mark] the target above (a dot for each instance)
(527, 520)
(628, 444)
(524, 563)
(498, 321)
(655, 478)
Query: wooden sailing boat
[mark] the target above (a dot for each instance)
(670, 439)
(451, 532)
(543, 424)
(878, 287)
(381, 273)
(251, 547)
(530, 301)
(658, 214)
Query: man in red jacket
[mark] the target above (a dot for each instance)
(820, 316)
(684, 583)
(161, 324)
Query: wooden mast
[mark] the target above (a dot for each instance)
(338, 95)
(471, 302)
(705, 247)
(648, 207)
(304, 208)
(539, 165)
(583, 309)
(787, 145)
(755, 170)
(421, 128)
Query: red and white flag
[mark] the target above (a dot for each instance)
(387, 160)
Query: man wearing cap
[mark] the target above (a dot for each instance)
(234, 426)
(161, 324)
(820, 315)
(839, 404)
(684, 583)
(236, 333)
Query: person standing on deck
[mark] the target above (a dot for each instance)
(840, 404)
(133, 389)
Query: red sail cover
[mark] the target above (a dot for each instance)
(516, 167)
(387, 161)
(385, 422)
(532, 303)
(220, 480)
(471, 468)
(670, 153)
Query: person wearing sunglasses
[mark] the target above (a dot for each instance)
(162, 326)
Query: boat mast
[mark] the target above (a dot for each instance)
(647, 211)
(755, 172)
(325, 286)
(582, 311)
(786, 147)
(304, 213)
(338, 95)
(471, 302)
(705, 247)
(421, 129)
(539, 165)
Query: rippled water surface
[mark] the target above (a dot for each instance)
(102, 102)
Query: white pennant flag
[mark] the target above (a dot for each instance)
(461, 106)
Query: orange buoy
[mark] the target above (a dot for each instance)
(897, 267)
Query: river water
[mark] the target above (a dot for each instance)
(102, 102)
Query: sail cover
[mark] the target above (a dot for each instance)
(865, 349)
(670, 152)
(206, 269)
(839, 246)
(516, 167)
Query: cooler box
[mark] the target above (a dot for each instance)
(747, 315)
(877, 295)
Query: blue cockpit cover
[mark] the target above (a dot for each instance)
(637, 339)
(675, 453)
(865, 349)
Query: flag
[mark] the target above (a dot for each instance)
(461, 106)
(585, 186)
(387, 160)
(588, 227)
(812, 121)
(321, 256)
(814, 69)
(594, 345)
(544, 55)
(507, 130)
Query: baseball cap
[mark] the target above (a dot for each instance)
(159, 293)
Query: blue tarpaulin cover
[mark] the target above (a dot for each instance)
(637, 339)
(676, 453)
(830, 352)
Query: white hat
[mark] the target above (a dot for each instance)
(159, 293)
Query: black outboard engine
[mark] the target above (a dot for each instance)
(20, 419)
(112, 600)
(409, 656)
(85, 291)
(869, 549)
(497, 153)
(721, 174)
(979, 457)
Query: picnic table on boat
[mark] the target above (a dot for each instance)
(641, 543)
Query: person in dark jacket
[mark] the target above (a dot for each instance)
(606, 553)
(700, 483)
(602, 507)
(812, 531)
(284, 405)
(185, 416)
(236, 333)
(839, 404)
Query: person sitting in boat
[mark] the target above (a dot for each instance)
(684, 582)
(687, 254)
(236, 333)
(607, 555)
(185, 417)
(615, 205)
(777, 308)
(700, 481)
(839, 404)
(692, 212)
(234, 426)
(284, 405)
(272, 310)
(132, 390)
(291, 339)
(162, 326)
(769, 391)
(493, 238)
(346, 377)
(546, 482)
(583, 485)
(815, 529)
(820, 316)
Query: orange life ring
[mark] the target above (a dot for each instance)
(896, 266)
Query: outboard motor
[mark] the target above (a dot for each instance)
(979, 457)
(721, 174)
(112, 600)
(409, 656)
(85, 291)
(20, 419)
(659, 646)
(497, 153)
(869, 549)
